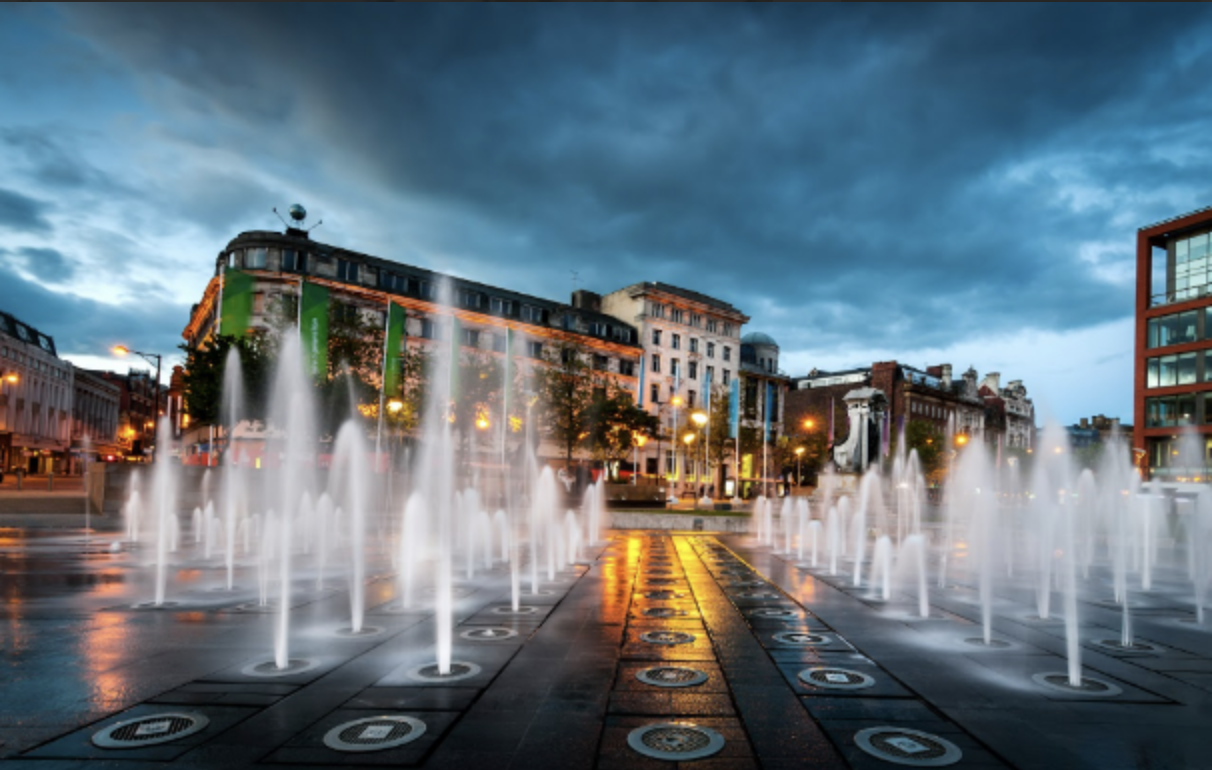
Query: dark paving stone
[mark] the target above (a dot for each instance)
(307, 747)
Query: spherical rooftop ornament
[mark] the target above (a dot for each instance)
(759, 338)
(297, 212)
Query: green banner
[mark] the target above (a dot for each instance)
(313, 328)
(236, 312)
(394, 345)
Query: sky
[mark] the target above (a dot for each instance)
(930, 184)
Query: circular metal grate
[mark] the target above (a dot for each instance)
(489, 634)
(992, 644)
(374, 733)
(269, 668)
(671, 676)
(661, 581)
(522, 610)
(1088, 685)
(834, 678)
(802, 639)
(663, 595)
(759, 595)
(154, 606)
(903, 746)
(667, 637)
(365, 631)
(775, 612)
(1135, 648)
(747, 584)
(458, 670)
(150, 730)
(675, 741)
(662, 612)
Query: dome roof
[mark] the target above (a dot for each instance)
(758, 338)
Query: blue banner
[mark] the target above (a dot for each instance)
(734, 409)
(766, 407)
(640, 397)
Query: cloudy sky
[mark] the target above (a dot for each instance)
(930, 184)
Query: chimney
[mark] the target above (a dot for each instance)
(587, 300)
(993, 381)
(1085, 423)
(946, 378)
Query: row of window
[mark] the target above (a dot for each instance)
(257, 258)
(474, 338)
(1177, 369)
(655, 393)
(1178, 328)
(925, 409)
(1171, 411)
(679, 316)
(675, 369)
(675, 342)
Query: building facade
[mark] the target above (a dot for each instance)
(35, 400)
(691, 348)
(366, 284)
(95, 416)
(1173, 373)
(763, 400)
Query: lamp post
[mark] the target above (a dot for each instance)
(638, 440)
(688, 439)
(12, 378)
(799, 477)
(122, 350)
(699, 417)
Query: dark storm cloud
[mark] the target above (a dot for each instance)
(22, 213)
(93, 326)
(859, 173)
(48, 265)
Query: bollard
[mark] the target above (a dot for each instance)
(50, 482)
(20, 479)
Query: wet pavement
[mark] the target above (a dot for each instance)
(788, 666)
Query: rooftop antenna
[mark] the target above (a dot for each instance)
(574, 279)
(297, 214)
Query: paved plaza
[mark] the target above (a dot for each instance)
(790, 667)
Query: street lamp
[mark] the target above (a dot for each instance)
(799, 452)
(639, 440)
(699, 417)
(122, 350)
(688, 439)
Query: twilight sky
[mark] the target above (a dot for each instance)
(930, 183)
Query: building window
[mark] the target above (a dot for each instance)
(696, 320)
(293, 261)
(676, 316)
(626, 368)
(712, 325)
(471, 338)
(533, 314)
(534, 349)
(656, 363)
(1167, 371)
(711, 350)
(694, 344)
(600, 363)
(690, 399)
(675, 341)
(233, 258)
(727, 329)
(710, 374)
(1175, 329)
(393, 282)
(656, 393)
(255, 259)
(1169, 411)
(656, 310)
(347, 270)
(694, 370)
(727, 376)
(498, 342)
(469, 299)
(427, 329)
(656, 336)
(675, 368)
(727, 353)
(502, 306)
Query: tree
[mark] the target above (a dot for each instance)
(923, 436)
(613, 422)
(205, 369)
(565, 387)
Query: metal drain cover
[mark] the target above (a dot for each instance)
(1135, 648)
(834, 678)
(270, 669)
(903, 746)
(365, 631)
(1089, 685)
(671, 676)
(675, 741)
(458, 670)
(747, 584)
(667, 637)
(758, 595)
(662, 612)
(661, 581)
(522, 610)
(802, 639)
(663, 595)
(774, 612)
(150, 730)
(489, 634)
(992, 644)
(374, 733)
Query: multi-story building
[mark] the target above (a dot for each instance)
(365, 284)
(763, 398)
(35, 400)
(688, 339)
(1173, 373)
(953, 406)
(139, 404)
(95, 416)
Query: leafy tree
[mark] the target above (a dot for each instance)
(923, 436)
(205, 366)
(813, 441)
(565, 386)
(613, 421)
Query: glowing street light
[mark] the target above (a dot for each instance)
(799, 453)
(395, 405)
(122, 350)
